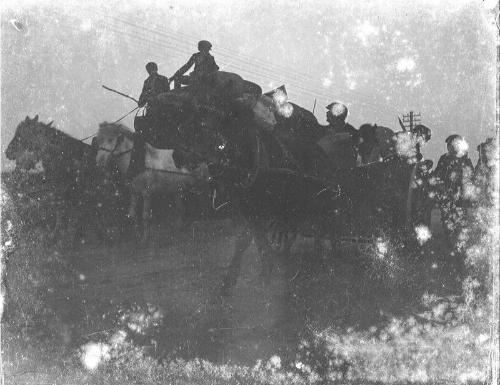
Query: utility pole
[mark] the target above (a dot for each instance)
(410, 120)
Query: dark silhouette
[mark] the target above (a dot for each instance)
(341, 138)
(154, 85)
(69, 170)
(204, 67)
(453, 174)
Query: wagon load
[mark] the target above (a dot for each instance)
(173, 119)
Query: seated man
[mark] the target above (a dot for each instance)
(204, 67)
(154, 85)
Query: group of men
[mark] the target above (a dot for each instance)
(155, 84)
(460, 186)
(453, 171)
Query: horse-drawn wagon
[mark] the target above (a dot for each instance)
(252, 135)
(254, 132)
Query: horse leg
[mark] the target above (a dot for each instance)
(82, 221)
(288, 240)
(265, 252)
(57, 226)
(180, 210)
(146, 215)
(131, 227)
(132, 210)
(233, 271)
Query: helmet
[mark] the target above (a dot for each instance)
(338, 110)
(151, 66)
(452, 138)
(204, 44)
(457, 145)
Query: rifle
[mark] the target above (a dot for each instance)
(120, 93)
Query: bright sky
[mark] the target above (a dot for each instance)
(382, 58)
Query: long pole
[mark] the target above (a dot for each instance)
(314, 105)
(120, 93)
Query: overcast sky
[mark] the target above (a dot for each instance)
(382, 58)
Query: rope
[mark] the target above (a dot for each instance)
(123, 117)
(88, 137)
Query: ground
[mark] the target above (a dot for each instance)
(181, 273)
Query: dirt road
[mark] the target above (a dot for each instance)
(181, 272)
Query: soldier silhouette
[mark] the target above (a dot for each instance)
(154, 85)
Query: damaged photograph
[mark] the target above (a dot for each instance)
(249, 192)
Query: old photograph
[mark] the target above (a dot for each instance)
(249, 192)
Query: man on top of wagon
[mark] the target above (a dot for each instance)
(340, 142)
(154, 85)
(204, 67)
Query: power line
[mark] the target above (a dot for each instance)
(270, 75)
(296, 77)
(223, 51)
(231, 55)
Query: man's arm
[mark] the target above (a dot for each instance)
(144, 95)
(181, 71)
(214, 65)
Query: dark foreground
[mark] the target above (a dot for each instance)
(351, 297)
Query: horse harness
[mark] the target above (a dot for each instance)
(117, 155)
(112, 152)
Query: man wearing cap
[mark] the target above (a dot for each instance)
(453, 177)
(204, 66)
(154, 85)
(340, 141)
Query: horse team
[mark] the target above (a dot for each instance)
(251, 158)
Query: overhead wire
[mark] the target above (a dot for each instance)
(270, 74)
(171, 34)
(220, 51)
(260, 73)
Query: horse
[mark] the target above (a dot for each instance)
(114, 144)
(68, 169)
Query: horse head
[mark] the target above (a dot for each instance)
(112, 141)
(26, 146)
